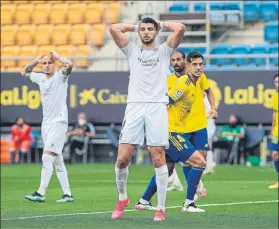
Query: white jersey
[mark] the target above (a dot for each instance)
(148, 73)
(206, 104)
(53, 95)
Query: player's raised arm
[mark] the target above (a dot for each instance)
(177, 34)
(118, 31)
(27, 70)
(67, 64)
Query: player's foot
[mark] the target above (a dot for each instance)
(191, 208)
(160, 215)
(273, 186)
(120, 207)
(139, 206)
(36, 197)
(65, 198)
(209, 170)
(201, 190)
(175, 188)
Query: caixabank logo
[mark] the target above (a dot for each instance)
(216, 91)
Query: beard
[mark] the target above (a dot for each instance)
(147, 42)
(178, 69)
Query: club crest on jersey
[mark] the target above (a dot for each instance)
(178, 93)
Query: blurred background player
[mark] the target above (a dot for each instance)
(211, 128)
(21, 139)
(53, 88)
(146, 103)
(274, 132)
(182, 96)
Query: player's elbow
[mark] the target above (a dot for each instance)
(113, 28)
(22, 72)
(181, 29)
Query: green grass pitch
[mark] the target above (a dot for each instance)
(237, 197)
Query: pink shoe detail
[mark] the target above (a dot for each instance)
(160, 215)
(120, 207)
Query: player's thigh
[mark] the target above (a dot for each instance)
(15, 145)
(56, 137)
(274, 147)
(199, 140)
(156, 125)
(25, 146)
(180, 148)
(274, 155)
(132, 131)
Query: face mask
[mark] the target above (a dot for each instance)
(20, 124)
(81, 122)
(233, 124)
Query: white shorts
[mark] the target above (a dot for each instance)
(145, 119)
(54, 136)
(211, 128)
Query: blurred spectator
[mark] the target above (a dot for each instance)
(21, 139)
(231, 138)
(79, 137)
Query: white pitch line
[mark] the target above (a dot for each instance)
(133, 210)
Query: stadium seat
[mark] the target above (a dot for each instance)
(23, 14)
(200, 6)
(259, 49)
(274, 50)
(66, 51)
(232, 6)
(13, 69)
(251, 10)
(9, 51)
(178, 7)
(97, 35)
(186, 50)
(21, 2)
(5, 2)
(75, 14)
(269, 10)
(40, 13)
(94, 13)
(221, 49)
(27, 51)
(25, 34)
(3, 69)
(79, 34)
(83, 50)
(8, 34)
(7, 14)
(42, 35)
(38, 2)
(45, 49)
(228, 67)
(211, 67)
(240, 49)
(271, 31)
(248, 67)
(60, 34)
(112, 13)
(58, 13)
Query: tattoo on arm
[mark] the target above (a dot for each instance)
(68, 65)
(28, 69)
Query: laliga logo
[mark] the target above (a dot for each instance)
(216, 91)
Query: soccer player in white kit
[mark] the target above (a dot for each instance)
(146, 112)
(53, 89)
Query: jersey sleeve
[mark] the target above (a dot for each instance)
(128, 49)
(166, 49)
(63, 77)
(204, 82)
(36, 77)
(275, 102)
(177, 91)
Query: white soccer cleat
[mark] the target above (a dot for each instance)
(175, 188)
(191, 208)
(139, 206)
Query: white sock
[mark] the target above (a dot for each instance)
(200, 185)
(210, 158)
(46, 173)
(121, 182)
(62, 175)
(176, 180)
(187, 202)
(162, 185)
(142, 201)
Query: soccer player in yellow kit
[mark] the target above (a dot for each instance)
(274, 132)
(182, 96)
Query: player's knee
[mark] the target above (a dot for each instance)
(158, 161)
(47, 160)
(122, 163)
(275, 155)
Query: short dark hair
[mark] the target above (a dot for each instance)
(277, 75)
(194, 55)
(151, 21)
(182, 53)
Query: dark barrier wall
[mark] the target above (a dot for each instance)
(102, 96)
